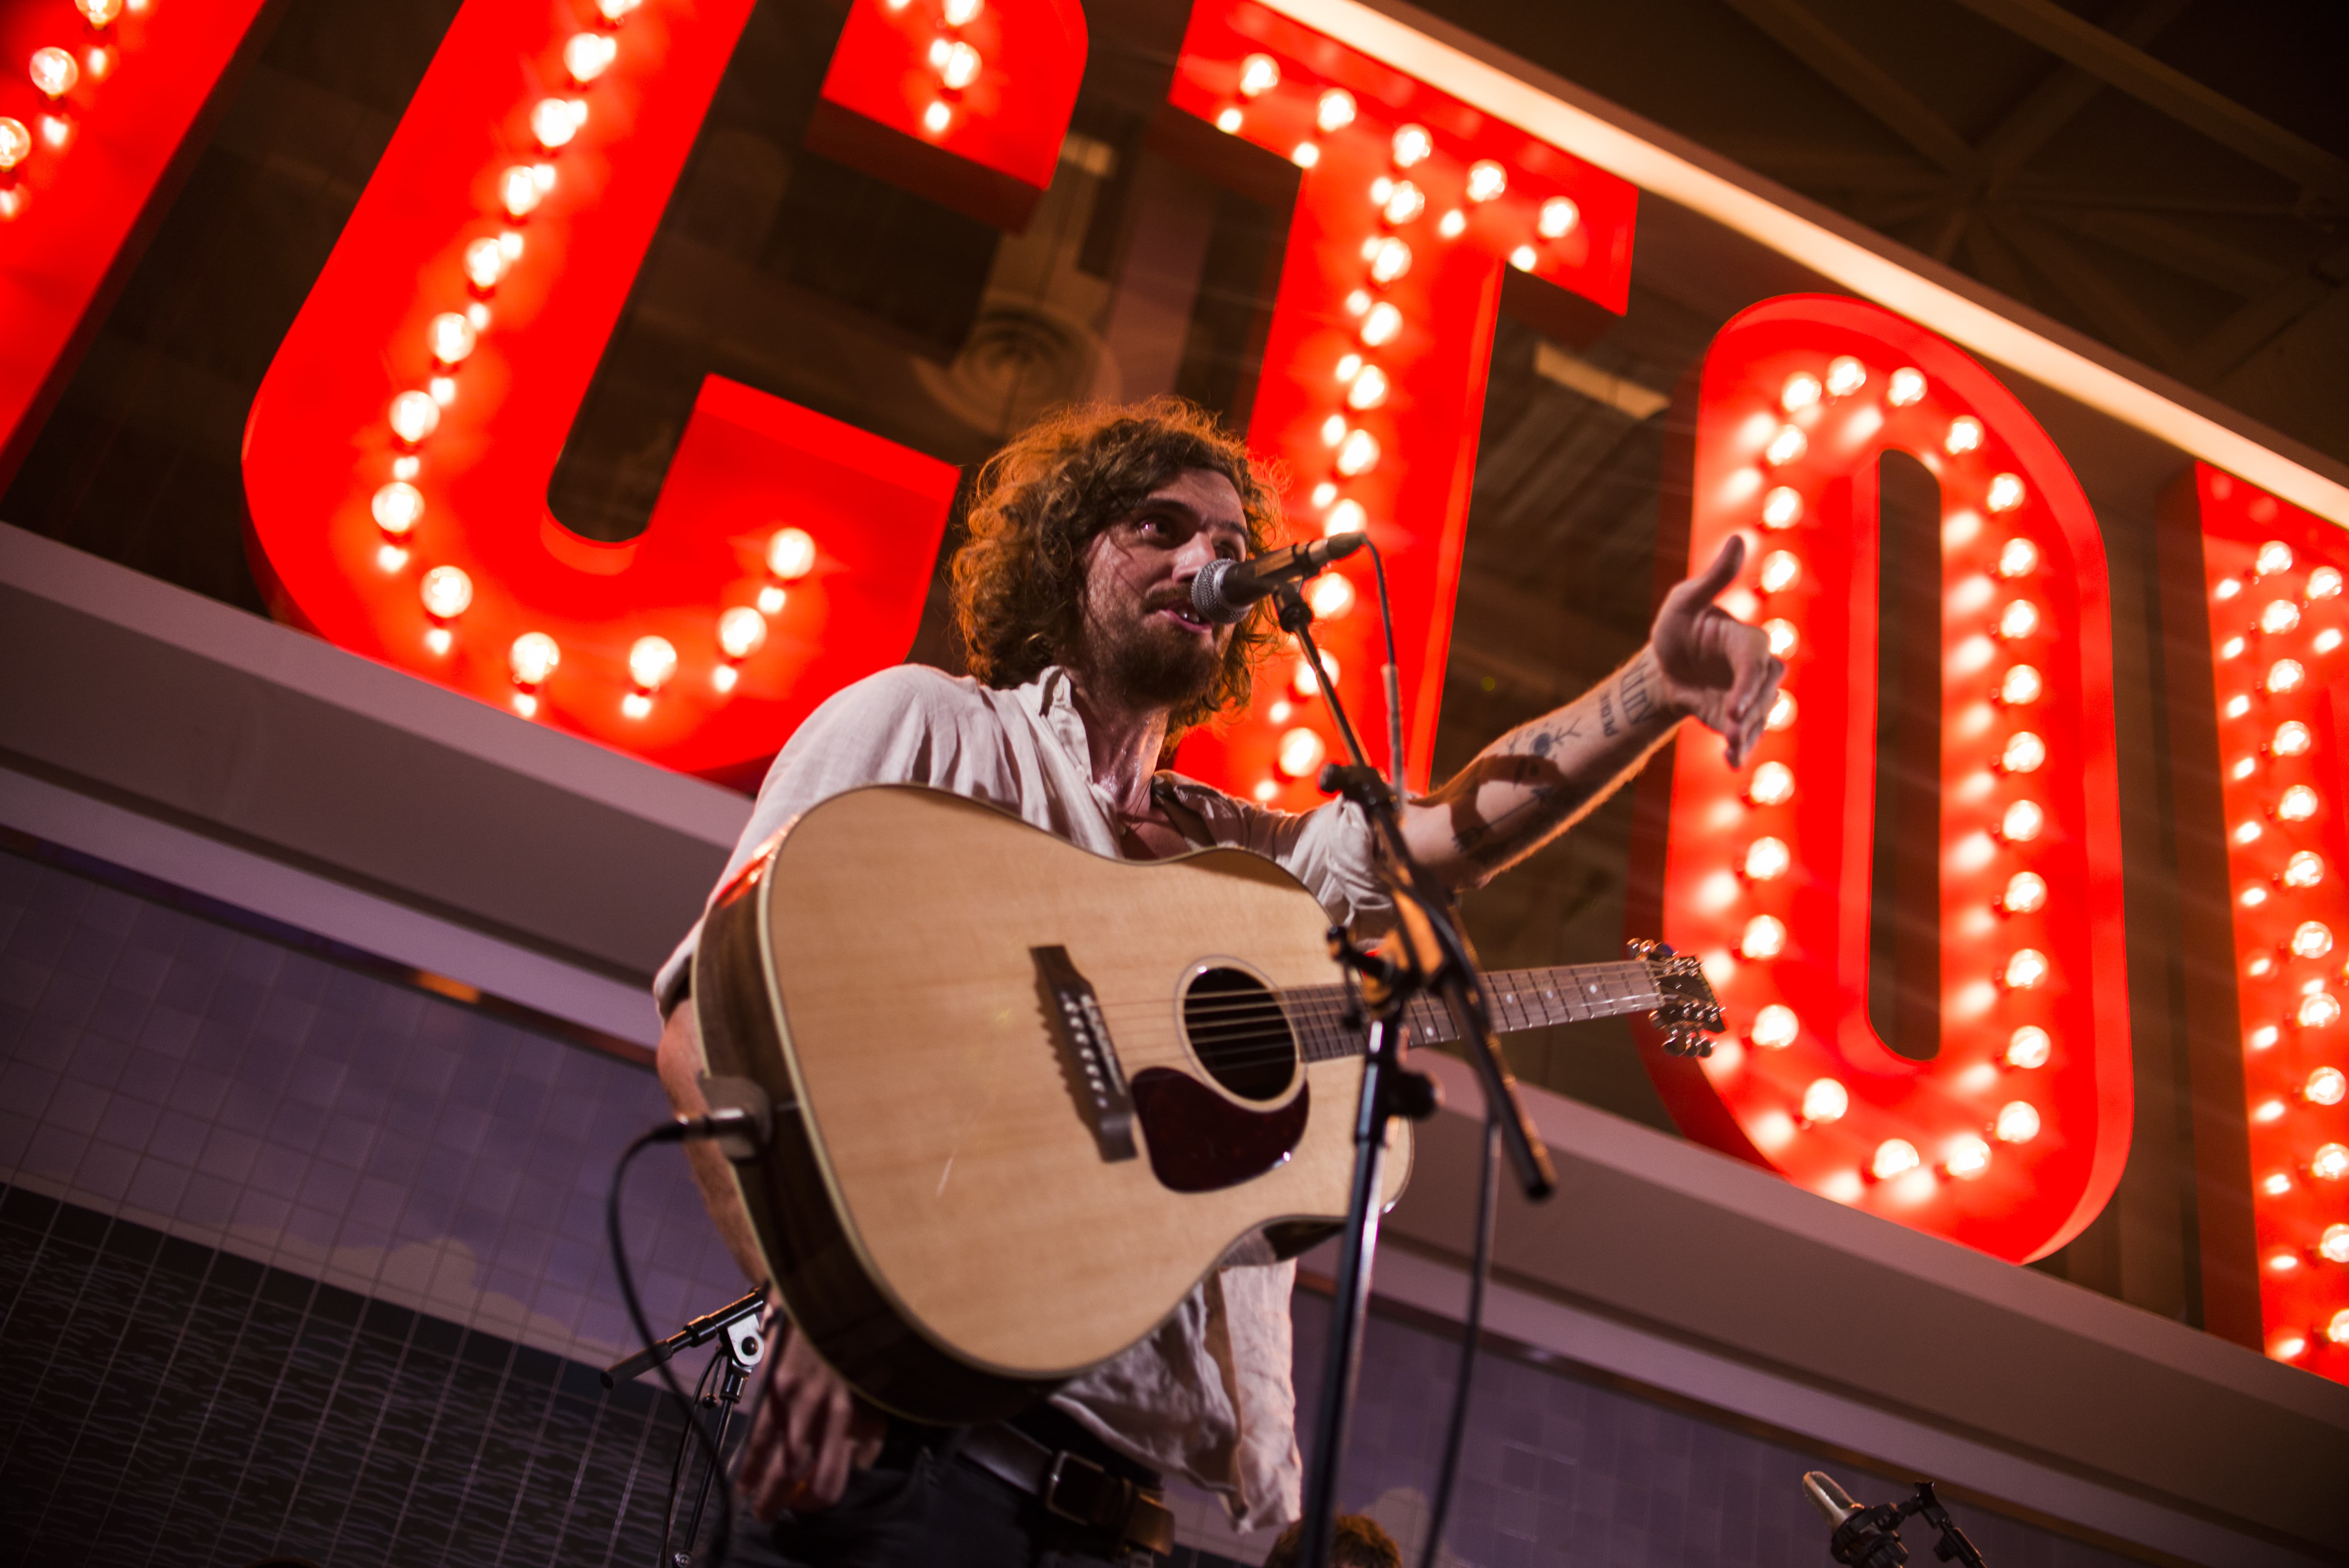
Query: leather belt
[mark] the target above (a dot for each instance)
(1073, 1487)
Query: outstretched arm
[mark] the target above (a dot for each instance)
(1537, 780)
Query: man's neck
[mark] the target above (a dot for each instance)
(1123, 740)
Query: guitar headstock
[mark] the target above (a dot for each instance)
(1690, 1011)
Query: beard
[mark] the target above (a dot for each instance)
(1150, 662)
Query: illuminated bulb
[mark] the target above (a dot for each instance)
(2019, 619)
(588, 55)
(2330, 1163)
(2244, 767)
(2026, 894)
(1782, 508)
(1772, 784)
(1774, 1027)
(1324, 493)
(2029, 1047)
(2325, 641)
(2305, 868)
(1336, 110)
(2313, 939)
(741, 632)
(2323, 583)
(2284, 1263)
(1765, 937)
(532, 658)
(1259, 73)
(2232, 648)
(1782, 712)
(962, 13)
(15, 142)
(2318, 1010)
(2274, 556)
(2325, 1086)
(555, 121)
(1227, 121)
(790, 554)
(414, 417)
(2293, 738)
(1304, 155)
(406, 468)
(1786, 447)
(1487, 180)
(1767, 859)
(1379, 325)
(2271, 1110)
(2335, 1244)
(2022, 823)
(397, 507)
(1781, 634)
(2005, 493)
(1969, 1158)
(651, 661)
(1302, 751)
(2237, 706)
(1965, 435)
(443, 390)
(2227, 589)
(1523, 259)
(961, 66)
(1411, 146)
(1801, 391)
(1333, 429)
(724, 677)
(2026, 968)
(2284, 675)
(2024, 753)
(1894, 1157)
(2281, 615)
(2021, 684)
(1301, 681)
(1358, 453)
(1405, 203)
(2276, 1184)
(1330, 596)
(1780, 571)
(2337, 1330)
(1369, 390)
(1558, 217)
(519, 191)
(2018, 1122)
(1390, 261)
(54, 72)
(2017, 557)
(636, 705)
(1346, 517)
(771, 600)
(2254, 896)
(447, 593)
(1846, 375)
(1380, 189)
(1825, 1101)
(486, 264)
(2298, 804)
(451, 336)
(937, 116)
(616, 10)
(1907, 386)
(98, 13)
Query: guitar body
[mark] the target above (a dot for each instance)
(964, 1205)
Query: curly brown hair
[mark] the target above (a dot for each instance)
(1019, 580)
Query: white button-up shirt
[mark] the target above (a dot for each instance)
(1207, 1396)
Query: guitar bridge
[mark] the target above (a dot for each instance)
(1096, 1079)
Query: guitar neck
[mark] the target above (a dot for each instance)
(1519, 999)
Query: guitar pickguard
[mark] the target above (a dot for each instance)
(1201, 1142)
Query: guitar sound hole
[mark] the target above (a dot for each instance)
(1239, 1033)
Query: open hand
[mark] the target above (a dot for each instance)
(1716, 668)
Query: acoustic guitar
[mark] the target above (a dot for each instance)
(1026, 1096)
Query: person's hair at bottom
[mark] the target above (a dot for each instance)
(1355, 1541)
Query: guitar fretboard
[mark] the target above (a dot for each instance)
(1519, 999)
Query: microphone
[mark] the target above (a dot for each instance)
(1224, 589)
(1860, 1540)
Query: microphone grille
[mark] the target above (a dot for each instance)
(1207, 593)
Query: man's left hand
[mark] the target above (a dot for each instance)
(1716, 668)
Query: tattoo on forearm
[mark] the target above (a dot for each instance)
(1638, 699)
(1607, 716)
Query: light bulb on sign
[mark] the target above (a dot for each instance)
(1801, 391)
(1300, 752)
(2325, 641)
(2237, 707)
(1259, 73)
(98, 13)
(2325, 1086)
(1846, 375)
(2305, 868)
(2271, 1112)
(741, 632)
(1523, 259)
(533, 657)
(1969, 1158)
(790, 554)
(2005, 493)
(2244, 767)
(1301, 681)
(1907, 386)
(2021, 686)
(1335, 111)
(1765, 937)
(2254, 896)
(1782, 711)
(1358, 453)
(2017, 557)
(2025, 968)
(1324, 493)
(1227, 121)
(2318, 1010)
(2284, 1263)
(771, 599)
(15, 142)
(1782, 508)
(2026, 894)
(1381, 324)
(1346, 517)
(2023, 823)
(1304, 155)
(1965, 435)
(1390, 261)
(2312, 939)
(447, 593)
(1780, 570)
(963, 13)
(1824, 1101)
(2274, 556)
(1894, 1157)
(588, 55)
(961, 68)
(1787, 446)
(2337, 1328)
(2323, 583)
(2029, 1047)
(2232, 648)
(1332, 595)
(2018, 1121)
(2228, 588)
(2298, 804)
(1767, 859)
(398, 506)
(2334, 1244)
(1772, 784)
(2284, 675)
(651, 662)
(937, 116)
(452, 337)
(1487, 180)
(2024, 753)
(1405, 203)
(1782, 636)
(1333, 429)
(519, 191)
(1558, 216)
(1411, 146)
(2281, 615)
(615, 12)
(555, 121)
(1774, 1027)
(2018, 619)
(414, 417)
(2330, 1163)
(1369, 390)
(2275, 1184)
(54, 72)
(486, 264)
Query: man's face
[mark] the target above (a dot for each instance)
(1141, 633)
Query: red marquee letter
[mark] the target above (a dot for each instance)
(2013, 1137)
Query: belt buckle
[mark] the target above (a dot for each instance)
(1062, 1460)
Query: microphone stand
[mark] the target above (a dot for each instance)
(1434, 957)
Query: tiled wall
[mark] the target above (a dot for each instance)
(329, 1275)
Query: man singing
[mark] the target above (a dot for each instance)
(1073, 597)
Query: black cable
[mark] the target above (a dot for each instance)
(677, 1470)
(667, 1132)
(1388, 679)
(1472, 1332)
